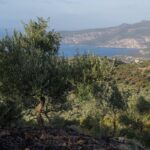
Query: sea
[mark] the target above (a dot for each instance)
(67, 50)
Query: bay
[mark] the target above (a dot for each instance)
(73, 50)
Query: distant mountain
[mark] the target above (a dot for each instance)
(123, 36)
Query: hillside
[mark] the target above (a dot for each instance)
(123, 36)
(43, 94)
(134, 76)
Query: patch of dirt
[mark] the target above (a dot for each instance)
(52, 139)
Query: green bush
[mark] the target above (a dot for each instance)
(11, 113)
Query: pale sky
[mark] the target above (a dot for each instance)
(74, 14)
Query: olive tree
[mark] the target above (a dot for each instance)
(28, 63)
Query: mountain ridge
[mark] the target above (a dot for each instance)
(123, 36)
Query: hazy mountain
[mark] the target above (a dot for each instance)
(123, 36)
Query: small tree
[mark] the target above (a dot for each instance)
(111, 99)
(28, 64)
(36, 36)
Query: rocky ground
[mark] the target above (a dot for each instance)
(58, 139)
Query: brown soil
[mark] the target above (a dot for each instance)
(52, 139)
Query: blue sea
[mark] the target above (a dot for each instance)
(72, 50)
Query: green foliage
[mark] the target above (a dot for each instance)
(87, 122)
(109, 92)
(58, 122)
(99, 95)
(146, 138)
(26, 64)
(126, 120)
(10, 113)
(37, 37)
(84, 92)
(143, 106)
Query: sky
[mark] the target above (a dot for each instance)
(73, 14)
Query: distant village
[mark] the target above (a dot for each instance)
(130, 59)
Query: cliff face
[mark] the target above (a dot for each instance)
(123, 36)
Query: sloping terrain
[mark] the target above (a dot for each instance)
(57, 139)
(123, 36)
